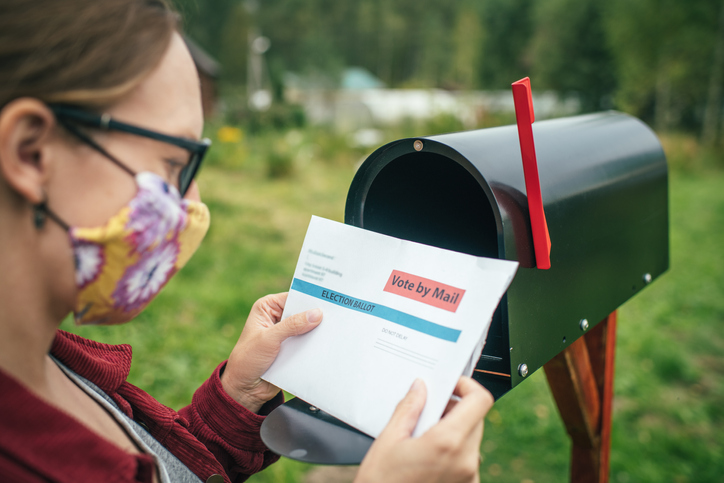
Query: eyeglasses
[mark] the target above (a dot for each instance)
(69, 116)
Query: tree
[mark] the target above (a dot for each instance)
(570, 53)
(467, 37)
(505, 57)
(662, 52)
(713, 111)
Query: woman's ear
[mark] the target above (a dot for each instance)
(26, 130)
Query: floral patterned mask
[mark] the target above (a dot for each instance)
(121, 266)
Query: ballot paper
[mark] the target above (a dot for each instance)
(394, 311)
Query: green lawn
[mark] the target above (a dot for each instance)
(669, 395)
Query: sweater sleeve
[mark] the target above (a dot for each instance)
(228, 429)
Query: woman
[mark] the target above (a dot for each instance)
(100, 120)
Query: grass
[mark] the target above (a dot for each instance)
(668, 423)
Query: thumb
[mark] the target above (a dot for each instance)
(404, 419)
(297, 324)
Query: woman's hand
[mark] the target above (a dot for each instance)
(257, 348)
(448, 452)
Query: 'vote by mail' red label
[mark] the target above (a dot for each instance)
(424, 290)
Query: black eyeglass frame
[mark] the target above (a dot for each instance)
(105, 122)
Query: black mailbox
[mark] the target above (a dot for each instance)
(605, 193)
(603, 179)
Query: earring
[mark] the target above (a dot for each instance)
(39, 215)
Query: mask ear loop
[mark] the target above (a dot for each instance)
(41, 210)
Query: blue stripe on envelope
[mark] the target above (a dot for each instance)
(386, 313)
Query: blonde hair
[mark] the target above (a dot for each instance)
(84, 52)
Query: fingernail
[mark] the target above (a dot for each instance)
(314, 315)
(416, 385)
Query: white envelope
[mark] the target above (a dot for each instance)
(394, 311)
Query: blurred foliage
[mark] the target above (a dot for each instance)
(656, 59)
(569, 51)
(663, 53)
(278, 117)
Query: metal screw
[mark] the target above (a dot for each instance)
(647, 278)
(418, 145)
(314, 409)
(523, 370)
(583, 324)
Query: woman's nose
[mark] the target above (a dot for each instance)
(193, 194)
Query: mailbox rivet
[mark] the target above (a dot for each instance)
(523, 370)
(418, 145)
(314, 409)
(583, 324)
(298, 453)
(647, 278)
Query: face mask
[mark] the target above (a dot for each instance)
(121, 266)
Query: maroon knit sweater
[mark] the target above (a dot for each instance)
(214, 435)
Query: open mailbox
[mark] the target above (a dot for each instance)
(604, 185)
(605, 192)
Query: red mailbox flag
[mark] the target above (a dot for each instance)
(524, 116)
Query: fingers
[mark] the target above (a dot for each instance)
(279, 299)
(404, 419)
(269, 309)
(451, 404)
(467, 388)
(471, 448)
(296, 325)
(474, 404)
(472, 442)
